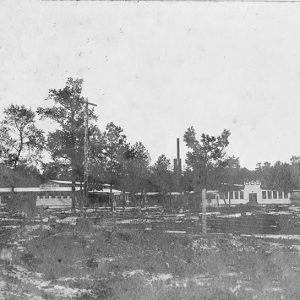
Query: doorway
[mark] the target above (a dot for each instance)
(253, 198)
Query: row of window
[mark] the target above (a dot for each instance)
(274, 195)
(265, 195)
(234, 195)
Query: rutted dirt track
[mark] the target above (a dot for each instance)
(150, 254)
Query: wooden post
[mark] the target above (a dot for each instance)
(86, 150)
(204, 211)
(86, 153)
(41, 220)
(73, 194)
(111, 196)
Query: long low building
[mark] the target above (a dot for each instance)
(252, 192)
(58, 194)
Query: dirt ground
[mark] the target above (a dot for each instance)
(151, 254)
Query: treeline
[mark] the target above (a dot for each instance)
(113, 160)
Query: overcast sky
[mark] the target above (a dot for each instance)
(157, 68)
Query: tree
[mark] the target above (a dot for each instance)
(205, 156)
(264, 173)
(66, 144)
(113, 148)
(22, 176)
(230, 175)
(21, 142)
(162, 176)
(295, 169)
(188, 180)
(112, 145)
(55, 170)
(282, 176)
(136, 170)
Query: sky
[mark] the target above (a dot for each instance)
(157, 68)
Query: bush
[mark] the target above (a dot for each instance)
(22, 202)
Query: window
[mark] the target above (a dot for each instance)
(280, 195)
(241, 194)
(3, 199)
(269, 195)
(264, 194)
(286, 195)
(231, 195)
(236, 195)
(274, 195)
(226, 195)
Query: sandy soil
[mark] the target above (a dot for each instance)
(149, 255)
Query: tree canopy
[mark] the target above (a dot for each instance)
(66, 144)
(21, 142)
(113, 159)
(205, 155)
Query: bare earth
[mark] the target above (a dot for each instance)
(151, 254)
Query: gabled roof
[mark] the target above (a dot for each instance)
(67, 182)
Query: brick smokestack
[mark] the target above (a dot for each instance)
(178, 158)
(177, 161)
(178, 150)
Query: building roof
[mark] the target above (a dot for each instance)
(64, 182)
(39, 189)
(107, 191)
(68, 182)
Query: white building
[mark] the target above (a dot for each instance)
(253, 193)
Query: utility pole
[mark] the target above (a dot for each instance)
(178, 168)
(86, 149)
(204, 211)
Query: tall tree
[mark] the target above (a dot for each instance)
(66, 144)
(162, 175)
(111, 146)
(21, 142)
(136, 170)
(114, 146)
(205, 156)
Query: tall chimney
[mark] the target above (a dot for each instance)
(178, 151)
(178, 160)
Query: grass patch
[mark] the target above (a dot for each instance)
(129, 264)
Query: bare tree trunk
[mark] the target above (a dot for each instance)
(73, 156)
(73, 197)
(41, 219)
(204, 211)
(20, 149)
(141, 199)
(123, 198)
(145, 199)
(111, 198)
